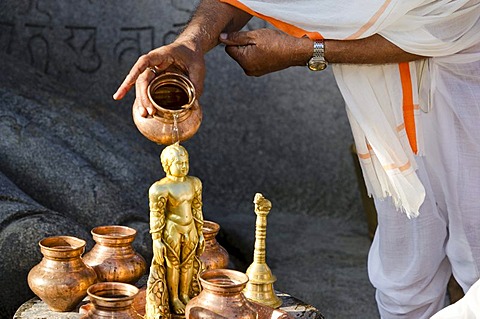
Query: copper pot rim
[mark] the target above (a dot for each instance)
(223, 280)
(126, 293)
(210, 227)
(62, 246)
(178, 80)
(113, 233)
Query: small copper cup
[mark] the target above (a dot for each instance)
(112, 300)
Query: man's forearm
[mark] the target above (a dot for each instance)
(211, 18)
(372, 50)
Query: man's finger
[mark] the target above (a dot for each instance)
(237, 38)
(138, 108)
(141, 90)
(237, 52)
(141, 65)
(144, 80)
(124, 87)
(152, 59)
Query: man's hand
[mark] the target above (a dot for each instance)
(180, 55)
(264, 51)
(186, 53)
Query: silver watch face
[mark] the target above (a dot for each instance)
(316, 64)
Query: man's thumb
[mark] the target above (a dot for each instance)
(235, 38)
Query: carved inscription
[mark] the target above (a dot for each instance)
(32, 33)
(134, 41)
(6, 36)
(38, 46)
(33, 9)
(83, 42)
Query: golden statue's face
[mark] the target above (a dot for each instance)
(179, 166)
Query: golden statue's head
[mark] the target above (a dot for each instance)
(174, 160)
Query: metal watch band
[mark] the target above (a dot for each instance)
(318, 49)
(317, 61)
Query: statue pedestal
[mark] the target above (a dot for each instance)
(37, 309)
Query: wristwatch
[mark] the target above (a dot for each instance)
(317, 62)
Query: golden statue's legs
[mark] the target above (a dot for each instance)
(181, 242)
(173, 275)
(186, 268)
(173, 240)
(185, 280)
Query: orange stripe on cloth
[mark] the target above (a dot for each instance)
(401, 168)
(408, 106)
(364, 155)
(370, 22)
(284, 26)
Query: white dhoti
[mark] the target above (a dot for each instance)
(465, 308)
(411, 260)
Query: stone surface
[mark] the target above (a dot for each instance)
(71, 158)
(36, 309)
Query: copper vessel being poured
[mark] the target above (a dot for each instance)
(177, 114)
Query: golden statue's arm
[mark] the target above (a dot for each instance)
(157, 295)
(157, 200)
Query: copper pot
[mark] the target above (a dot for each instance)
(221, 297)
(214, 256)
(61, 279)
(112, 300)
(177, 112)
(113, 257)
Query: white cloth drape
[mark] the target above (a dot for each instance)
(467, 307)
(374, 96)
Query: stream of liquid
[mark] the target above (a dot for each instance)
(175, 135)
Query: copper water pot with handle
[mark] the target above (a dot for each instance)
(178, 114)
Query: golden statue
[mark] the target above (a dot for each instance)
(176, 224)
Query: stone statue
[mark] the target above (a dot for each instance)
(176, 223)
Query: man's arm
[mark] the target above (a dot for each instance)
(265, 50)
(210, 19)
(372, 50)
